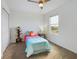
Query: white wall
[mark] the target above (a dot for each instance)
(27, 21)
(4, 5)
(5, 36)
(67, 22)
(5, 40)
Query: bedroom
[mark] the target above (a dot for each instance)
(30, 17)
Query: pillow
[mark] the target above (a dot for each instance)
(27, 33)
(33, 34)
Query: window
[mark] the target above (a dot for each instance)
(54, 24)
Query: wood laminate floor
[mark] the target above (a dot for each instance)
(17, 51)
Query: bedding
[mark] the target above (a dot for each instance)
(33, 34)
(27, 33)
(36, 45)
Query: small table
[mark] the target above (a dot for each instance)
(42, 35)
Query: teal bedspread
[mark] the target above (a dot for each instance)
(36, 45)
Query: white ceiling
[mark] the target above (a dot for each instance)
(25, 6)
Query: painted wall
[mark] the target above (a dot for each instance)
(4, 5)
(5, 36)
(5, 40)
(27, 21)
(67, 37)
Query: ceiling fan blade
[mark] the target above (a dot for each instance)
(32, 1)
(47, 0)
(44, 1)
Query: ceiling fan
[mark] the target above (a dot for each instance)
(39, 2)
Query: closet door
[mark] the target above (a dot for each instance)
(4, 31)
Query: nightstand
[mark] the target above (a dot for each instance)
(42, 35)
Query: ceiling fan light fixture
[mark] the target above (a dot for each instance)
(41, 5)
(40, 2)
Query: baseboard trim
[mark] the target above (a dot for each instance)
(61, 46)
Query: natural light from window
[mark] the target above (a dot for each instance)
(54, 23)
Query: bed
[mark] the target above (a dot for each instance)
(35, 45)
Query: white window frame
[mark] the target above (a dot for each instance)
(55, 24)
